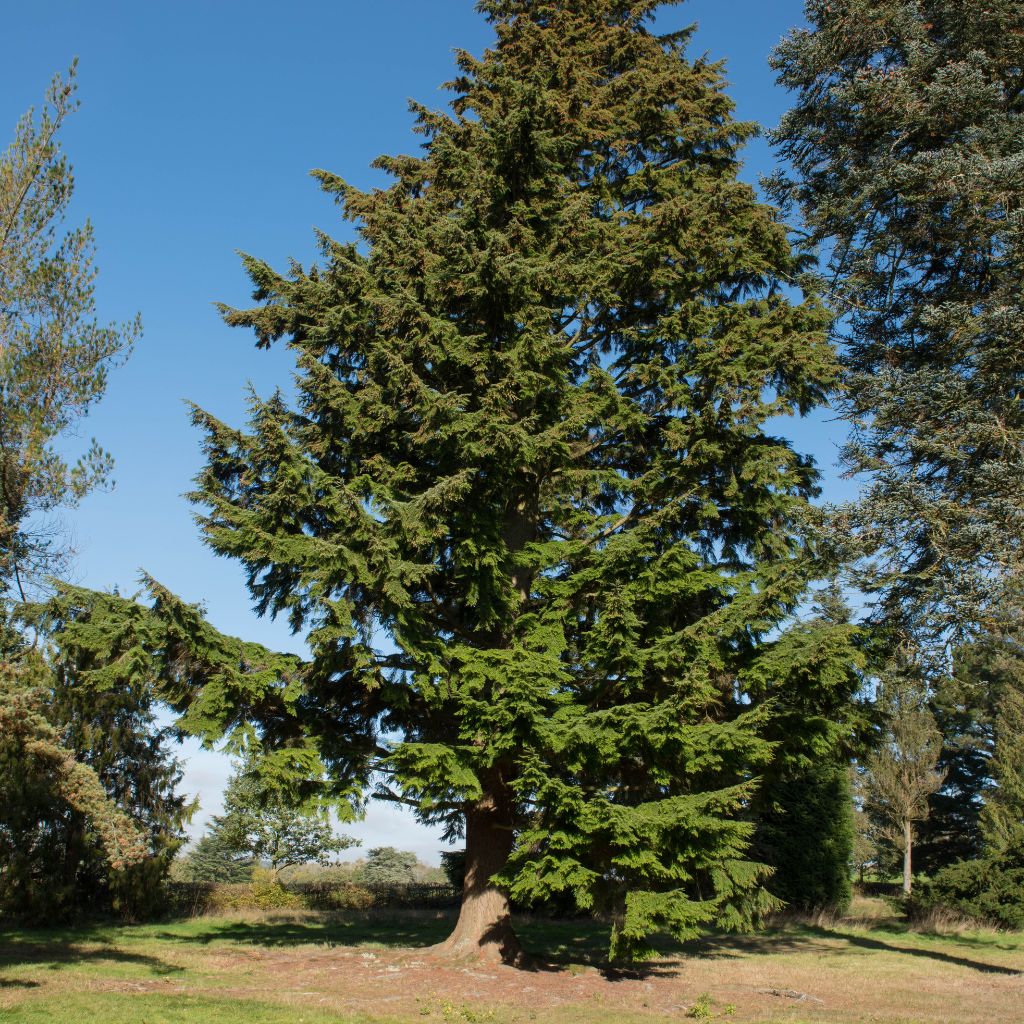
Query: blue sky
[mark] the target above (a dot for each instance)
(198, 126)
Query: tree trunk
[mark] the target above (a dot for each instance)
(908, 840)
(484, 928)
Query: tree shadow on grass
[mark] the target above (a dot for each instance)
(864, 942)
(58, 954)
(393, 931)
(826, 942)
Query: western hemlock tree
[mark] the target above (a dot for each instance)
(904, 145)
(526, 507)
(260, 821)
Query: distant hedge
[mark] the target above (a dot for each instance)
(264, 893)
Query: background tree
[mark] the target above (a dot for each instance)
(1002, 817)
(527, 507)
(904, 162)
(42, 787)
(261, 823)
(54, 355)
(901, 771)
(76, 816)
(385, 865)
(213, 859)
(965, 704)
(805, 824)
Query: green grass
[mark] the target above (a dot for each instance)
(276, 968)
(115, 1008)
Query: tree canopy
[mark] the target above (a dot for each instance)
(904, 147)
(527, 507)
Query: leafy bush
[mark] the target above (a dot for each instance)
(347, 896)
(269, 894)
(988, 889)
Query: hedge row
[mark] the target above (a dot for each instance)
(265, 893)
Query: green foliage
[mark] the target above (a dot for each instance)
(453, 863)
(261, 822)
(1002, 817)
(385, 865)
(807, 836)
(901, 772)
(527, 507)
(213, 859)
(989, 889)
(269, 894)
(54, 355)
(904, 148)
(49, 799)
(804, 811)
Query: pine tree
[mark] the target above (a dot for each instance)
(54, 355)
(527, 508)
(904, 149)
(387, 866)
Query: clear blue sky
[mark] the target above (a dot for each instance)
(199, 122)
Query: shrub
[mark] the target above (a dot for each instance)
(347, 896)
(989, 889)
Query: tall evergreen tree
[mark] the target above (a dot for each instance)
(904, 150)
(527, 508)
(805, 822)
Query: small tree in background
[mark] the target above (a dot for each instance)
(212, 859)
(385, 865)
(901, 773)
(263, 824)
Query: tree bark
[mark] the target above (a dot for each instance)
(484, 929)
(908, 840)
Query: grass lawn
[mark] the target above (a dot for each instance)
(370, 967)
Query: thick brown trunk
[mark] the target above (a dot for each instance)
(484, 928)
(908, 839)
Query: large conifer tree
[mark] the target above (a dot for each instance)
(905, 144)
(526, 507)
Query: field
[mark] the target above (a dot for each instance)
(368, 967)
